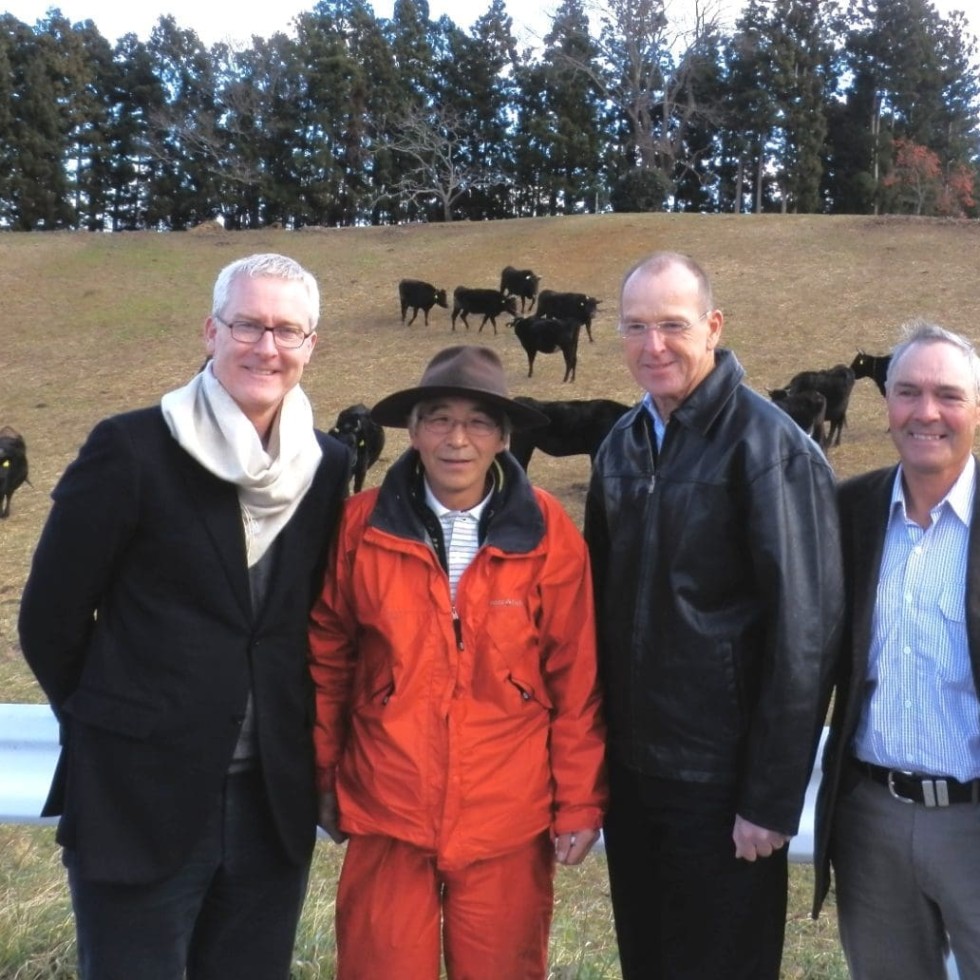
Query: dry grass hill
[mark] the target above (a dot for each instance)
(96, 324)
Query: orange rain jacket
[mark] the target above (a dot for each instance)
(467, 747)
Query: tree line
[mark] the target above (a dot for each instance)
(808, 106)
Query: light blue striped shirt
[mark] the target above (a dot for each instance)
(460, 534)
(921, 711)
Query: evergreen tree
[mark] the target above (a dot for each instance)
(476, 85)
(36, 188)
(183, 182)
(137, 99)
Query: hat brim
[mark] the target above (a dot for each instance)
(393, 410)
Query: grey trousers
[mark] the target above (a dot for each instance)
(908, 885)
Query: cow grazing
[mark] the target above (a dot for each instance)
(835, 385)
(807, 408)
(572, 306)
(488, 303)
(363, 437)
(417, 295)
(13, 466)
(874, 366)
(520, 282)
(574, 427)
(545, 335)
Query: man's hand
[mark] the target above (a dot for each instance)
(572, 848)
(327, 817)
(752, 841)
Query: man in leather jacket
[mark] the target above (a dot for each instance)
(713, 530)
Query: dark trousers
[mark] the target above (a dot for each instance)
(230, 912)
(685, 907)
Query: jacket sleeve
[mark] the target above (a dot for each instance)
(95, 511)
(332, 652)
(568, 654)
(794, 536)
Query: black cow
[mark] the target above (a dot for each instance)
(572, 306)
(13, 466)
(520, 282)
(835, 385)
(418, 295)
(363, 437)
(807, 408)
(545, 335)
(489, 303)
(874, 366)
(574, 427)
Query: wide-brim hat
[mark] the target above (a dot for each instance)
(467, 371)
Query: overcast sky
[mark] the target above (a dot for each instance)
(235, 20)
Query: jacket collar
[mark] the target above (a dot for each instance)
(700, 409)
(512, 520)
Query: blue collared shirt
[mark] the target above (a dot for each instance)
(659, 426)
(921, 711)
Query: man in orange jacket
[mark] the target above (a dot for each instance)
(458, 735)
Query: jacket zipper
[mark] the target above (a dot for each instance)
(458, 628)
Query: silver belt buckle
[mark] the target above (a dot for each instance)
(935, 792)
(894, 792)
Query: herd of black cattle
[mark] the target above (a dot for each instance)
(816, 400)
(555, 327)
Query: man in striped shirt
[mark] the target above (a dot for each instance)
(898, 816)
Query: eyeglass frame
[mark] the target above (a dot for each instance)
(258, 326)
(649, 328)
(426, 421)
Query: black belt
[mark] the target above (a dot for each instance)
(910, 787)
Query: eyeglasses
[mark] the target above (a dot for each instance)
(477, 426)
(669, 328)
(286, 335)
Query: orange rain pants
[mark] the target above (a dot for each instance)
(494, 915)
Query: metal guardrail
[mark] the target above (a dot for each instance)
(29, 752)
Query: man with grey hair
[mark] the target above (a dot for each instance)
(712, 525)
(897, 816)
(165, 619)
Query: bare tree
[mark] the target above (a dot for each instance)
(648, 68)
(435, 142)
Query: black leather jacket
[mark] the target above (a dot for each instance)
(719, 594)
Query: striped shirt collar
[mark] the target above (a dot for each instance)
(440, 510)
(959, 498)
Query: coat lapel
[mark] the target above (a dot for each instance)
(973, 590)
(216, 504)
(869, 519)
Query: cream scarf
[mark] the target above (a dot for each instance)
(208, 424)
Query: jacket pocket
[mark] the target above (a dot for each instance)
(377, 693)
(530, 692)
(124, 716)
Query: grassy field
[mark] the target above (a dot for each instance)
(95, 324)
